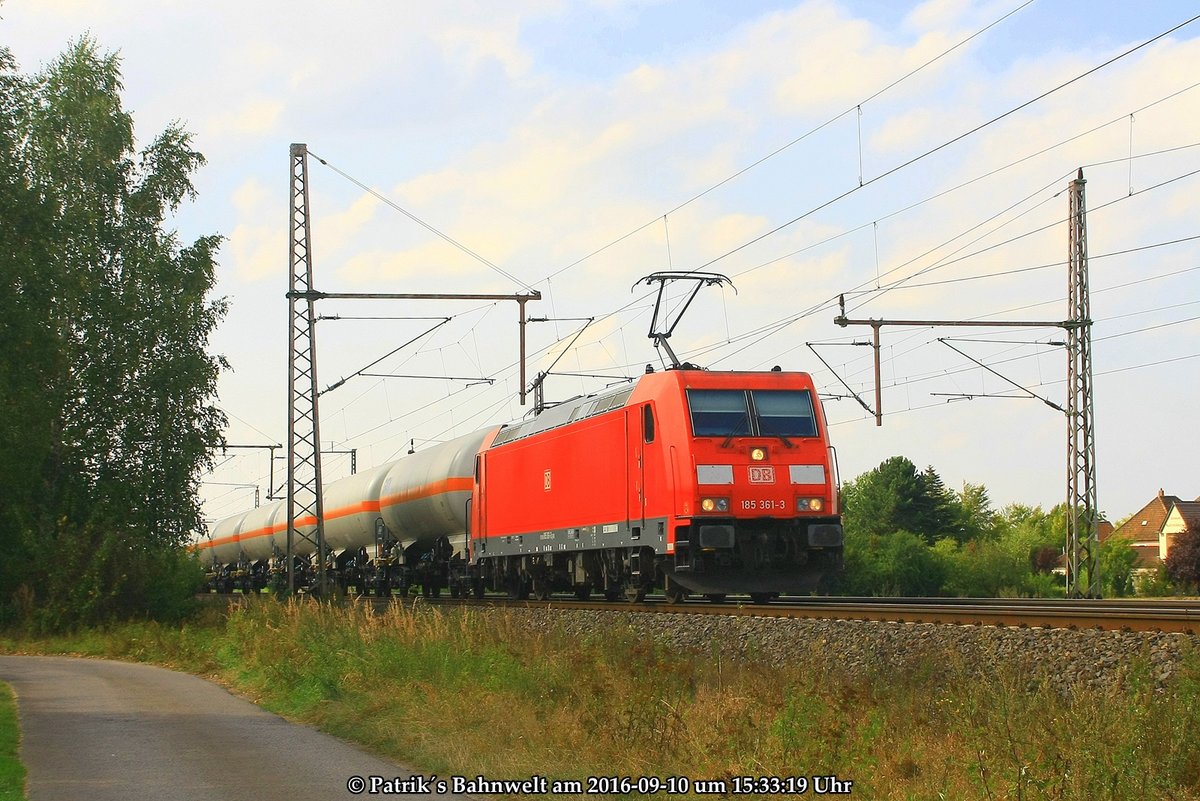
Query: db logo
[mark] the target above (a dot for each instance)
(546, 481)
(762, 475)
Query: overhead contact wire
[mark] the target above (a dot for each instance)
(797, 140)
(444, 236)
(949, 142)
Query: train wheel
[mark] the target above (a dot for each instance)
(583, 592)
(611, 595)
(541, 591)
(635, 594)
(716, 597)
(675, 593)
(478, 588)
(761, 597)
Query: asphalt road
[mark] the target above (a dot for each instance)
(95, 730)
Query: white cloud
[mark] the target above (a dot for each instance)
(259, 248)
(341, 228)
(474, 45)
(254, 117)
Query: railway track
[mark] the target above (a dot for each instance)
(1149, 616)
(1156, 615)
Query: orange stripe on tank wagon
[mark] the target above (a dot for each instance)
(456, 484)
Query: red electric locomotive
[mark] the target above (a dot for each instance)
(692, 481)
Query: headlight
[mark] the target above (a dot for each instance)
(714, 504)
(758, 454)
(809, 504)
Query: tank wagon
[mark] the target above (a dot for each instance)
(688, 481)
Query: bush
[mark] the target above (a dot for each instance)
(1154, 585)
(898, 564)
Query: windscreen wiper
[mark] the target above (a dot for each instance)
(745, 419)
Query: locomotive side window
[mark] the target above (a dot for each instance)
(719, 412)
(647, 423)
(787, 413)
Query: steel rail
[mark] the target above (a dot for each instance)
(1142, 615)
(1180, 617)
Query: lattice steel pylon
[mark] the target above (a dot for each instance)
(1083, 545)
(305, 506)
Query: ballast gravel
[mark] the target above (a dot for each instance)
(1064, 658)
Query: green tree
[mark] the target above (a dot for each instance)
(968, 549)
(976, 518)
(1183, 561)
(895, 497)
(1117, 557)
(1030, 533)
(106, 388)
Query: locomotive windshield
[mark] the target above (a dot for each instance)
(784, 412)
(718, 412)
(756, 412)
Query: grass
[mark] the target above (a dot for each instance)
(12, 772)
(471, 693)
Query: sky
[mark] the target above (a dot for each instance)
(913, 157)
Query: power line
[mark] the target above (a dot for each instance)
(251, 425)
(444, 236)
(942, 263)
(989, 174)
(923, 377)
(773, 328)
(1048, 265)
(777, 326)
(948, 143)
(1126, 285)
(857, 107)
(1148, 328)
(941, 404)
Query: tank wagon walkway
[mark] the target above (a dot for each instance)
(100, 730)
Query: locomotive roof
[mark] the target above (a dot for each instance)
(585, 406)
(569, 411)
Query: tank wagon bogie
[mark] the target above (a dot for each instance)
(686, 480)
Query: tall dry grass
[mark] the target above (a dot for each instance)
(468, 692)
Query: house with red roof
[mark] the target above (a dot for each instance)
(1144, 530)
(1183, 516)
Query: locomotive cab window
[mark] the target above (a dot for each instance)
(784, 413)
(719, 412)
(648, 423)
(752, 413)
